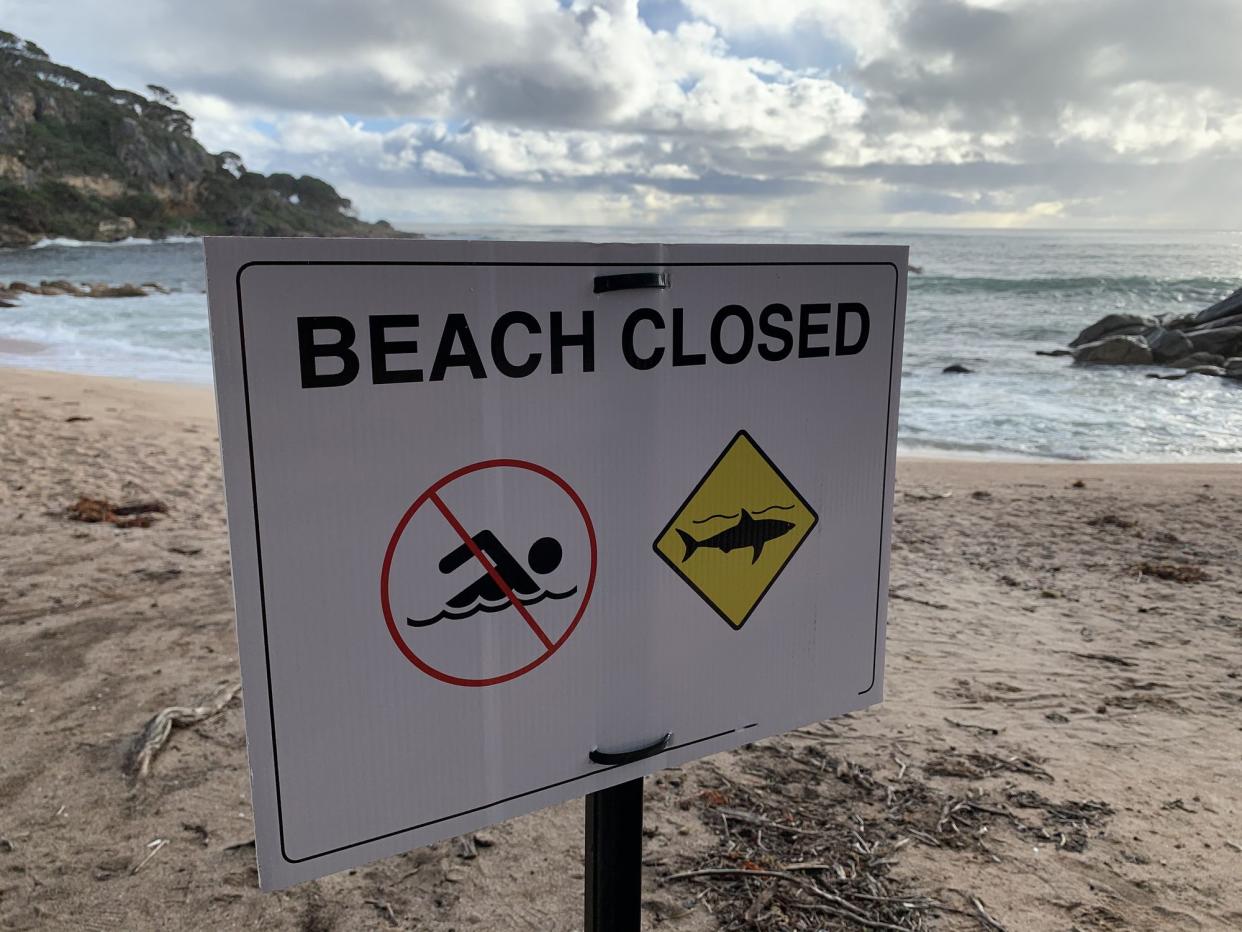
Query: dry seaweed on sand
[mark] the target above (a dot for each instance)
(1173, 572)
(773, 875)
(126, 515)
(809, 841)
(813, 863)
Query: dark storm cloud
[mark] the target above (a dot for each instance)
(974, 67)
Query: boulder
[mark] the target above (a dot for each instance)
(1233, 367)
(1115, 325)
(1226, 308)
(1205, 370)
(116, 229)
(1167, 345)
(1232, 320)
(117, 291)
(14, 237)
(1222, 340)
(1115, 350)
(1197, 359)
(1179, 321)
(957, 368)
(58, 286)
(1053, 352)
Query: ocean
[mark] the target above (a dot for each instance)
(985, 299)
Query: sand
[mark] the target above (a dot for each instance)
(1027, 654)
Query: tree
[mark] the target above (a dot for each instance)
(163, 95)
(316, 194)
(231, 162)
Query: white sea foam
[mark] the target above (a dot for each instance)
(128, 241)
(987, 301)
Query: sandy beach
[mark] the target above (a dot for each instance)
(1058, 749)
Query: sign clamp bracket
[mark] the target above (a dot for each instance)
(628, 280)
(628, 757)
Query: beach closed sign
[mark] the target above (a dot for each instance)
(500, 512)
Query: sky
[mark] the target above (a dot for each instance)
(798, 114)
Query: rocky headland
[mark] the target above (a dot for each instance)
(1208, 342)
(84, 160)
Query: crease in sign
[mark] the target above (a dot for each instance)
(505, 581)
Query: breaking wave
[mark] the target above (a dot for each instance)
(66, 242)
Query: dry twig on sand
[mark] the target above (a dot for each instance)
(155, 733)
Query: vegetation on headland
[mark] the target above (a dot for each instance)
(82, 159)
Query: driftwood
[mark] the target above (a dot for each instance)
(156, 732)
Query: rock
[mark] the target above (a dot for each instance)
(155, 287)
(1053, 352)
(1224, 340)
(14, 237)
(1198, 359)
(58, 287)
(1115, 325)
(5, 302)
(19, 287)
(1205, 370)
(1179, 321)
(117, 291)
(1115, 350)
(1226, 308)
(1167, 345)
(957, 368)
(116, 229)
(1233, 368)
(1233, 320)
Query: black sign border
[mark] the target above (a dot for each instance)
(254, 498)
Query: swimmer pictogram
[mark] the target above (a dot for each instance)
(485, 594)
(488, 572)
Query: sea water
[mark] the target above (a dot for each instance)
(985, 300)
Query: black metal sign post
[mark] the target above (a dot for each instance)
(614, 846)
(614, 858)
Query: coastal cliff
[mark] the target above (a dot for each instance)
(82, 159)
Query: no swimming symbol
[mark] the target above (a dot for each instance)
(456, 595)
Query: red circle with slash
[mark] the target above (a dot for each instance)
(432, 497)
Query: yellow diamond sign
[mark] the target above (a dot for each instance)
(736, 530)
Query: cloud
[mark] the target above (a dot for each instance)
(823, 112)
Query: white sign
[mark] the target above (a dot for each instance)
(495, 506)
